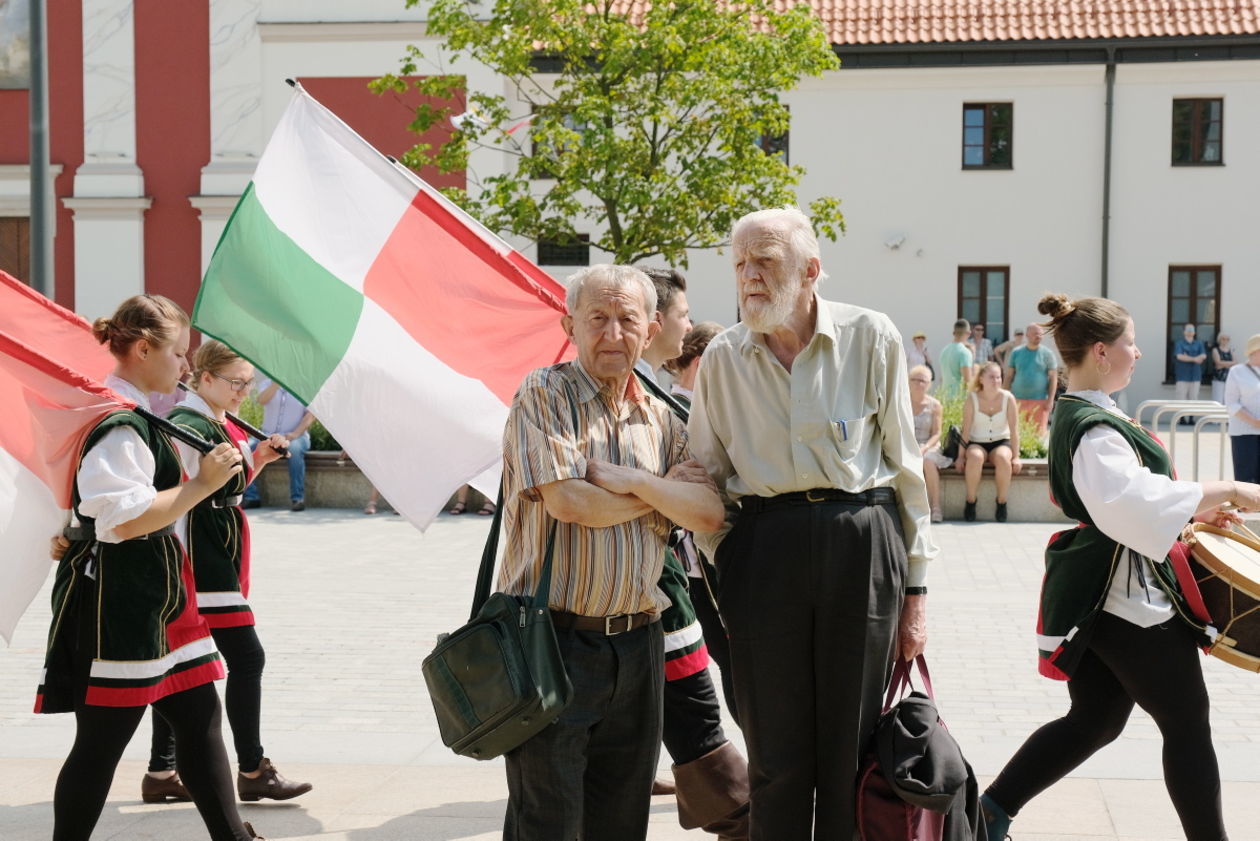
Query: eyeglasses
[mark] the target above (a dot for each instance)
(236, 385)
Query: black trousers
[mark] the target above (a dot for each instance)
(1246, 452)
(1157, 668)
(101, 735)
(589, 775)
(245, 658)
(692, 718)
(702, 599)
(811, 595)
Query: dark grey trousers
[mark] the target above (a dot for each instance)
(811, 596)
(589, 775)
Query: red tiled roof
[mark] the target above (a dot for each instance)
(851, 22)
(944, 21)
(909, 22)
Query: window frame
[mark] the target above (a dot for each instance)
(986, 147)
(15, 240)
(1170, 325)
(1196, 142)
(984, 298)
(583, 241)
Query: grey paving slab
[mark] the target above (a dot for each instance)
(349, 604)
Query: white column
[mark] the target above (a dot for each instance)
(108, 202)
(108, 251)
(236, 119)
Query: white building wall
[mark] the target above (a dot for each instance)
(1187, 215)
(888, 143)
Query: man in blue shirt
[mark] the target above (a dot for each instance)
(1190, 354)
(1032, 375)
(285, 415)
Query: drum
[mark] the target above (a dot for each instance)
(1227, 569)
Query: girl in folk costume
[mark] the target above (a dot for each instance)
(1113, 620)
(216, 535)
(125, 631)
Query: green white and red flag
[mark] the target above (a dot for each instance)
(401, 322)
(49, 409)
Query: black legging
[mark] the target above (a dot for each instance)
(245, 659)
(1159, 669)
(101, 734)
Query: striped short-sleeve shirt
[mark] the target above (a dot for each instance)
(595, 571)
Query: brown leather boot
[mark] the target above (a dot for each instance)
(713, 793)
(269, 783)
(153, 790)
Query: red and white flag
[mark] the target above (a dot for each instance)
(399, 320)
(48, 411)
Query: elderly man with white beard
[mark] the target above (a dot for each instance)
(802, 417)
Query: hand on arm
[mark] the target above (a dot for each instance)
(303, 425)
(690, 502)
(215, 468)
(579, 501)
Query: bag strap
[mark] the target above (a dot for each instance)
(485, 575)
(902, 680)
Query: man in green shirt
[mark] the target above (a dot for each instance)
(1032, 375)
(957, 362)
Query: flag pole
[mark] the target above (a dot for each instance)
(189, 437)
(246, 427)
(42, 202)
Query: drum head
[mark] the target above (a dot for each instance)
(1229, 555)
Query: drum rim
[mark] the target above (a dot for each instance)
(1216, 565)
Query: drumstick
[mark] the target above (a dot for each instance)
(1247, 532)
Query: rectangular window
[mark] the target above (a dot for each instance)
(775, 145)
(988, 135)
(15, 247)
(982, 299)
(546, 153)
(1194, 297)
(1196, 132)
(573, 252)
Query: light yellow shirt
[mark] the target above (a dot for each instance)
(841, 418)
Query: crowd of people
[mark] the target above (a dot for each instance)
(776, 499)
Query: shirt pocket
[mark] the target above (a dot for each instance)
(850, 433)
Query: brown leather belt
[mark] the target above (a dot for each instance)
(874, 496)
(609, 626)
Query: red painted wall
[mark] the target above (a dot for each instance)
(382, 120)
(172, 139)
(65, 95)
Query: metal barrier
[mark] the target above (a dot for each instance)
(1221, 419)
(1206, 411)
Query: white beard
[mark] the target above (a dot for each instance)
(764, 317)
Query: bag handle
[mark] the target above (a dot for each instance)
(485, 575)
(902, 680)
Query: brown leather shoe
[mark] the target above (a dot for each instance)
(660, 787)
(268, 784)
(153, 790)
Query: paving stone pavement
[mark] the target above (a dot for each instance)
(349, 604)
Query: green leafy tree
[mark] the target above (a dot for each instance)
(647, 130)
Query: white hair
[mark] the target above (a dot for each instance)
(794, 225)
(607, 274)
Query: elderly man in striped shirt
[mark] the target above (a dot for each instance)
(588, 451)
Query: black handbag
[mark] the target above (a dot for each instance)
(499, 679)
(953, 441)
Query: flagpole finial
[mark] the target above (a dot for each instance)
(291, 83)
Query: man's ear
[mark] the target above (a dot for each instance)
(566, 321)
(813, 267)
(654, 327)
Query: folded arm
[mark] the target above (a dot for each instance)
(691, 502)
